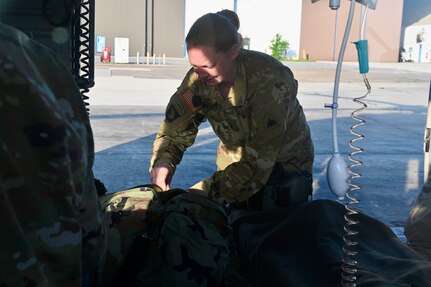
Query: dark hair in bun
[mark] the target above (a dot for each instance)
(231, 16)
(218, 30)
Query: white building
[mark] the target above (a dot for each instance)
(260, 20)
(417, 41)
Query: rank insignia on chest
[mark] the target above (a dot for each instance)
(271, 123)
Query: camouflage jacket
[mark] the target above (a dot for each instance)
(50, 226)
(259, 122)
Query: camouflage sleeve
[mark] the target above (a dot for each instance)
(180, 126)
(51, 231)
(240, 180)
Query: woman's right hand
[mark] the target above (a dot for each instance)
(161, 175)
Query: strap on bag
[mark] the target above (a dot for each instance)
(137, 256)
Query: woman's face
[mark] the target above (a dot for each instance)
(213, 67)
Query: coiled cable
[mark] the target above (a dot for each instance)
(83, 47)
(349, 263)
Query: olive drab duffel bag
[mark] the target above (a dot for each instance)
(125, 217)
(193, 245)
(164, 238)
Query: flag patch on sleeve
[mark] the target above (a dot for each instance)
(191, 102)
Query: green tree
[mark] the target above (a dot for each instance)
(278, 46)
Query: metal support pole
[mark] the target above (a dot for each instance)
(146, 26)
(152, 27)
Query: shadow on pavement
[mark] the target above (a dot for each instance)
(391, 170)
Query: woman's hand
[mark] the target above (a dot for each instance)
(162, 175)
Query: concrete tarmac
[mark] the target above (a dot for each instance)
(128, 101)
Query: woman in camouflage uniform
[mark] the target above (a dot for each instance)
(266, 154)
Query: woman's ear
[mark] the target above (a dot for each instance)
(234, 51)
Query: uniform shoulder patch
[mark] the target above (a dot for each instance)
(172, 113)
